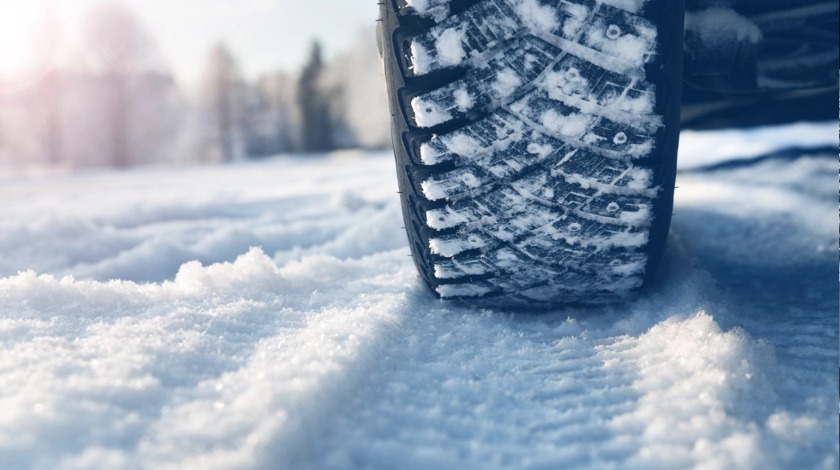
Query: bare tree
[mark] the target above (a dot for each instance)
(52, 133)
(121, 49)
(49, 104)
(224, 82)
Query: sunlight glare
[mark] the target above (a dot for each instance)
(19, 21)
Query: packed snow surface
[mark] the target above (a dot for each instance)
(268, 315)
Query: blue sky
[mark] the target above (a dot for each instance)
(264, 34)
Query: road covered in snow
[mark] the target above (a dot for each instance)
(268, 315)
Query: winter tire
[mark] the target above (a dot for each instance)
(535, 143)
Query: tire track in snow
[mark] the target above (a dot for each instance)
(302, 376)
(479, 390)
(346, 361)
(688, 375)
(225, 366)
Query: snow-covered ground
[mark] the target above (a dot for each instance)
(268, 315)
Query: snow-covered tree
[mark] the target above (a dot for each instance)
(269, 121)
(359, 103)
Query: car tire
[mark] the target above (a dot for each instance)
(535, 143)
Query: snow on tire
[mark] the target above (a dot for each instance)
(535, 142)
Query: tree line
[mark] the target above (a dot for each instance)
(123, 107)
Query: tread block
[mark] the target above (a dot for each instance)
(518, 64)
(533, 159)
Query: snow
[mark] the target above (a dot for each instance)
(572, 125)
(437, 9)
(595, 41)
(267, 315)
(535, 16)
(717, 25)
(428, 113)
(507, 82)
(629, 47)
(575, 21)
(633, 6)
(463, 99)
(697, 149)
(450, 246)
(450, 47)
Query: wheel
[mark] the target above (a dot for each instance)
(535, 143)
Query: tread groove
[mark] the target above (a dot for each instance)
(535, 140)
